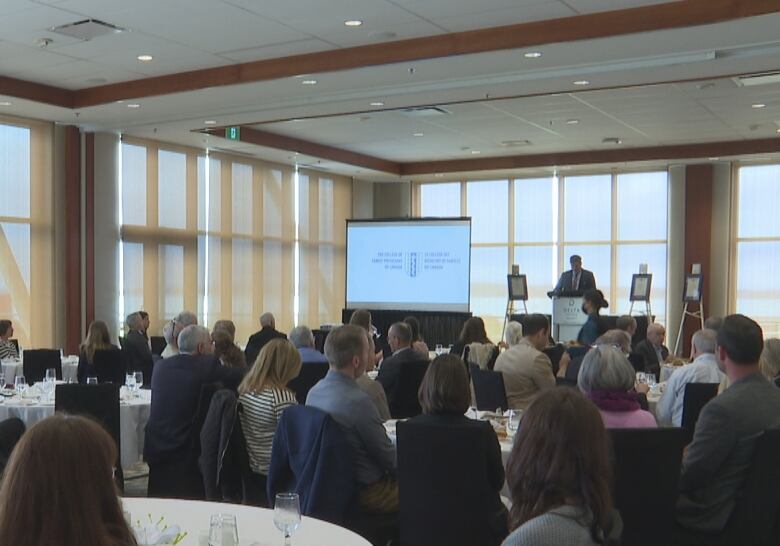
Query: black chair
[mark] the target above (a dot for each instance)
(647, 468)
(11, 431)
(310, 374)
(37, 361)
(100, 402)
(756, 517)
(695, 398)
(405, 403)
(554, 353)
(489, 390)
(442, 472)
(158, 345)
(109, 366)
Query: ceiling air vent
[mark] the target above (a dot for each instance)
(424, 112)
(757, 79)
(87, 29)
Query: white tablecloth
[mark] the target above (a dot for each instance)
(70, 365)
(133, 416)
(255, 525)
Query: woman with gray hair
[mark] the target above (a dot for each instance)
(607, 378)
(769, 363)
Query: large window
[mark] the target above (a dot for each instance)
(26, 212)
(614, 221)
(758, 246)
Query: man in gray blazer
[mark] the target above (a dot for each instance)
(577, 280)
(716, 462)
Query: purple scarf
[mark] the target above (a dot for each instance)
(614, 400)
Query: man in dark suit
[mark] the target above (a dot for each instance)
(138, 356)
(653, 350)
(258, 340)
(577, 280)
(716, 463)
(176, 390)
(399, 337)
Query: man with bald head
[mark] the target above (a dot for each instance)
(258, 340)
(653, 350)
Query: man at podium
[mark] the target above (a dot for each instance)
(576, 281)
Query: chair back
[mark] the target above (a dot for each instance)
(554, 353)
(695, 398)
(109, 366)
(158, 345)
(310, 374)
(489, 390)
(100, 402)
(442, 477)
(756, 517)
(37, 361)
(207, 392)
(405, 403)
(647, 468)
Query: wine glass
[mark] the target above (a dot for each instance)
(513, 422)
(2, 379)
(20, 384)
(223, 530)
(130, 381)
(287, 514)
(92, 380)
(139, 381)
(51, 375)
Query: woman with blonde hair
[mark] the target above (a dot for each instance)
(769, 363)
(98, 339)
(264, 396)
(49, 496)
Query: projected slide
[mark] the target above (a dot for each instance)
(420, 265)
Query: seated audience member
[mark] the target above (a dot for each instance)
(527, 370)
(627, 323)
(653, 350)
(417, 342)
(138, 355)
(713, 323)
(400, 339)
(716, 462)
(362, 318)
(264, 396)
(703, 369)
(58, 488)
(569, 368)
(473, 331)
(226, 351)
(445, 397)
(145, 321)
(592, 302)
(179, 323)
(7, 349)
(559, 475)
(226, 326)
(303, 340)
(607, 379)
(259, 339)
(338, 394)
(97, 339)
(770, 360)
(374, 388)
(167, 333)
(176, 386)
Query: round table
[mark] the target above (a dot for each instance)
(133, 415)
(255, 525)
(70, 365)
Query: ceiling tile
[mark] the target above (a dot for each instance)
(508, 16)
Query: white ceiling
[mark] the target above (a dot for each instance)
(190, 34)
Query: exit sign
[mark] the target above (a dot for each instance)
(233, 133)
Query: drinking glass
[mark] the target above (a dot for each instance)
(51, 375)
(650, 378)
(287, 514)
(641, 378)
(130, 381)
(20, 384)
(223, 530)
(513, 422)
(2, 379)
(92, 380)
(139, 381)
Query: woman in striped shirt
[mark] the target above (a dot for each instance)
(264, 396)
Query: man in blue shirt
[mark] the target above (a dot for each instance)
(339, 395)
(303, 339)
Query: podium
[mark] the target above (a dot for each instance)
(567, 318)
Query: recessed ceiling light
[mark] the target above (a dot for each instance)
(309, 82)
(438, 175)
(5, 103)
(145, 58)
(572, 121)
(778, 130)
(377, 103)
(209, 122)
(133, 105)
(532, 55)
(758, 105)
(581, 82)
(353, 23)
(475, 152)
(417, 134)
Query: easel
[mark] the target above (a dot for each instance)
(517, 290)
(640, 290)
(692, 293)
